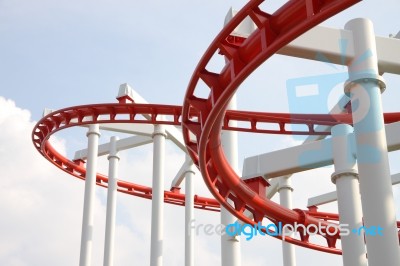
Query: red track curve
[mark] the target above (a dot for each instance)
(112, 113)
(273, 32)
(108, 113)
(84, 115)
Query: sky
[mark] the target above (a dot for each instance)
(62, 53)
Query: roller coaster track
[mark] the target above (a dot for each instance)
(202, 119)
(273, 32)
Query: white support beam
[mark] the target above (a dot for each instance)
(157, 201)
(273, 188)
(396, 179)
(290, 160)
(173, 133)
(189, 213)
(85, 258)
(183, 171)
(345, 178)
(337, 109)
(393, 137)
(123, 144)
(332, 196)
(337, 46)
(322, 199)
(109, 238)
(286, 199)
(230, 245)
(136, 129)
(301, 158)
(365, 88)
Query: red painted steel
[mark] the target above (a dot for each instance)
(108, 113)
(273, 32)
(118, 113)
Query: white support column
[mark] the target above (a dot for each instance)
(285, 196)
(157, 203)
(113, 159)
(189, 215)
(90, 183)
(348, 194)
(230, 246)
(364, 87)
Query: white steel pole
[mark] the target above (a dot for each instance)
(364, 87)
(113, 159)
(348, 195)
(157, 203)
(285, 196)
(189, 215)
(90, 183)
(230, 246)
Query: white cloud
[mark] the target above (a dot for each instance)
(42, 207)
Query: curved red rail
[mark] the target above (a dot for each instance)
(108, 113)
(273, 32)
(89, 114)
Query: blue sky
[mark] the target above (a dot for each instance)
(63, 53)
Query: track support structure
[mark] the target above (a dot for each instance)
(189, 214)
(113, 159)
(230, 246)
(157, 207)
(364, 88)
(349, 203)
(93, 135)
(285, 196)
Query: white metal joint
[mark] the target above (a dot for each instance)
(159, 133)
(93, 130)
(285, 187)
(190, 172)
(338, 174)
(364, 78)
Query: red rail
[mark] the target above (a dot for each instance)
(273, 32)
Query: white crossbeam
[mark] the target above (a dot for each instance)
(332, 196)
(290, 160)
(173, 133)
(122, 144)
(304, 157)
(176, 182)
(136, 129)
(337, 46)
